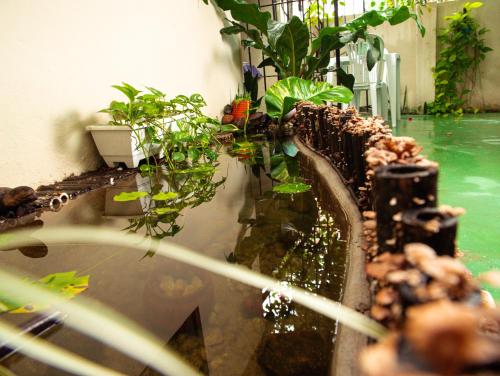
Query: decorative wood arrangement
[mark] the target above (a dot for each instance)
(410, 244)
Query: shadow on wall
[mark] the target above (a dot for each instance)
(233, 43)
(75, 143)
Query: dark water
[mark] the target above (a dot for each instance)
(222, 327)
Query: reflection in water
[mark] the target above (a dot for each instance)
(29, 222)
(168, 194)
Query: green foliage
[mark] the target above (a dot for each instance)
(287, 47)
(129, 196)
(462, 50)
(282, 96)
(179, 125)
(292, 188)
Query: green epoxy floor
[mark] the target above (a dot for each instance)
(468, 152)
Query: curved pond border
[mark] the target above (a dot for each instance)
(356, 289)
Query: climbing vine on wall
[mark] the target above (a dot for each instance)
(462, 50)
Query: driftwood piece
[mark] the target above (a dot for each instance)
(398, 188)
(433, 227)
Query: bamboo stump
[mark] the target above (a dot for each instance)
(399, 187)
(432, 227)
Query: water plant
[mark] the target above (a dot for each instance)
(462, 50)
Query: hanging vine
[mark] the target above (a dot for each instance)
(455, 75)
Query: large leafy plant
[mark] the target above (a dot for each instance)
(463, 49)
(282, 96)
(286, 45)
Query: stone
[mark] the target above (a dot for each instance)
(227, 119)
(18, 196)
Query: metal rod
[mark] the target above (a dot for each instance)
(36, 327)
(337, 51)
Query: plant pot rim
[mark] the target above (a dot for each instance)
(106, 127)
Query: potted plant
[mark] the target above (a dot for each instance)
(129, 136)
(241, 106)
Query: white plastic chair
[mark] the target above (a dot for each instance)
(392, 79)
(382, 82)
(365, 80)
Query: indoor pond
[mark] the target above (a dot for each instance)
(468, 153)
(221, 327)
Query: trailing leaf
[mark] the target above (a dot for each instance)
(291, 188)
(129, 196)
(165, 196)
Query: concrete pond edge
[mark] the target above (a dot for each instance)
(356, 288)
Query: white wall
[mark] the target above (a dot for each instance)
(58, 59)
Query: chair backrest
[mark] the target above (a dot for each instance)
(357, 64)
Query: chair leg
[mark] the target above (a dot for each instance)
(384, 101)
(375, 100)
(356, 98)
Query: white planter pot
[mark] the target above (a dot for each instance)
(118, 144)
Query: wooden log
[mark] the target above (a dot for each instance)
(399, 187)
(432, 227)
(322, 133)
(347, 155)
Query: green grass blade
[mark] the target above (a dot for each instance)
(90, 234)
(50, 354)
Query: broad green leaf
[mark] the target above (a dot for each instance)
(229, 128)
(65, 284)
(280, 172)
(291, 188)
(248, 13)
(475, 4)
(202, 169)
(178, 156)
(193, 154)
(129, 196)
(289, 148)
(292, 45)
(162, 211)
(400, 15)
(165, 196)
(282, 96)
(375, 50)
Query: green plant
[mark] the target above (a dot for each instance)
(462, 50)
(178, 125)
(286, 46)
(283, 95)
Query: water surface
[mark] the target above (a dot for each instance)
(222, 327)
(468, 152)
